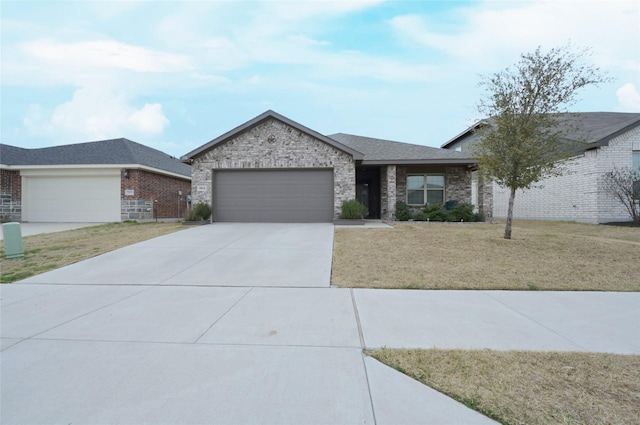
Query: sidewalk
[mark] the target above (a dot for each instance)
(87, 344)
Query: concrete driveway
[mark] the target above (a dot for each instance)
(237, 324)
(220, 254)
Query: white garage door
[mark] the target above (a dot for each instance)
(69, 199)
(284, 196)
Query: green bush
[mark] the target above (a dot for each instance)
(402, 212)
(352, 209)
(200, 211)
(421, 216)
(436, 212)
(462, 212)
(479, 217)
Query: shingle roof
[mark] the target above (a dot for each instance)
(108, 152)
(379, 151)
(591, 128)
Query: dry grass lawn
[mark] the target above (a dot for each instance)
(530, 387)
(541, 255)
(53, 250)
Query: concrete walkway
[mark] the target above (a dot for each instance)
(177, 347)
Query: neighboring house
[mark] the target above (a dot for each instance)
(104, 181)
(272, 169)
(608, 140)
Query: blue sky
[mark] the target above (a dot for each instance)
(173, 75)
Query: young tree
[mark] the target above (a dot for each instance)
(624, 184)
(521, 140)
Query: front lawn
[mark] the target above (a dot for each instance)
(541, 256)
(532, 388)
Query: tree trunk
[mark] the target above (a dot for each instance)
(507, 229)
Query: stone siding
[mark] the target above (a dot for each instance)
(147, 188)
(384, 194)
(457, 184)
(10, 195)
(137, 209)
(485, 198)
(392, 188)
(274, 145)
(577, 195)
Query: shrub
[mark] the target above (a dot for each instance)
(200, 211)
(352, 209)
(402, 212)
(462, 212)
(436, 212)
(421, 216)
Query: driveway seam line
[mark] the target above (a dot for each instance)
(89, 312)
(366, 376)
(357, 314)
(223, 315)
(202, 344)
(204, 258)
(536, 322)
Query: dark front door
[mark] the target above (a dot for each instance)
(368, 189)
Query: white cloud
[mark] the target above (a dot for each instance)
(489, 32)
(106, 54)
(149, 120)
(628, 98)
(96, 113)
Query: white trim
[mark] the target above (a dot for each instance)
(117, 167)
(69, 172)
(426, 188)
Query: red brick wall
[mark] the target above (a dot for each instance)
(150, 186)
(10, 195)
(11, 184)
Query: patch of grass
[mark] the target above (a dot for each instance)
(8, 278)
(53, 250)
(541, 256)
(46, 267)
(533, 388)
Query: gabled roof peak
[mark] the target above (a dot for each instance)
(269, 114)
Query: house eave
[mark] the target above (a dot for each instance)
(446, 161)
(462, 135)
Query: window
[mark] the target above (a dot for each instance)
(636, 161)
(425, 189)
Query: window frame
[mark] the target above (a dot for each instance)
(425, 187)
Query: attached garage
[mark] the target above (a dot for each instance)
(284, 196)
(71, 196)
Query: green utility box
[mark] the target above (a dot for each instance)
(12, 233)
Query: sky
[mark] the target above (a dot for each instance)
(174, 75)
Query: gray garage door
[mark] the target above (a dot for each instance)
(280, 196)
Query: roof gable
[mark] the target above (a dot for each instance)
(105, 152)
(257, 121)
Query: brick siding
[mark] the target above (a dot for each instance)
(148, 188)
(274, 145)
(577, 195)
(10, 195)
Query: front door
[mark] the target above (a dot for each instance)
(368, 190)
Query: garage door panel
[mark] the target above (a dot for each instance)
(274, 195)
(73, 199)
